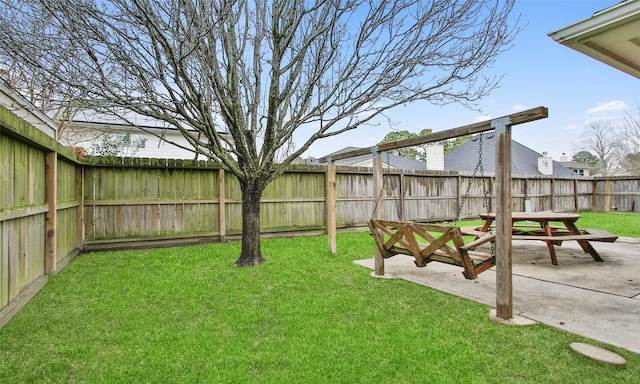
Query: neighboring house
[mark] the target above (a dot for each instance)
(577, 168)
(524, 161)
(388, 161)
(139, 142)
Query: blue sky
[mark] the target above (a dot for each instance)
(537, 72)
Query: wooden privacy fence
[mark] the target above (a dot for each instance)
(139, 202)
(40, 211)
(54, 206)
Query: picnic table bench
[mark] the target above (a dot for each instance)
(542, 230)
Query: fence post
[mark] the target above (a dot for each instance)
(594, 195)
(607, 195)
(331, 206)
(576, 201)
(458, 195)
(80, 208)
(401, 197)
(222, 224)
(552, 191)
(51, 167)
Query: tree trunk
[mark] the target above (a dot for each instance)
(251, 196)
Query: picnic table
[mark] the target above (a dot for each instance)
(538, 226)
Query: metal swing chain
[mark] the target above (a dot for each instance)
(384, 183)
(485, 202)
(375, 205)
(399, 200)
(479, 168)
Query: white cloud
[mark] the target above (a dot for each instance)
(611, 106)
(482, 118)
(520, 107)
(572, 127)
(609, 112)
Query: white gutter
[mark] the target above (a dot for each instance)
(599, 21)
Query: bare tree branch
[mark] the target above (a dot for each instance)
(629, 139)
(602, 140)
(259, 71)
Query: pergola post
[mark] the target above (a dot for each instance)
(378, 184)
(504, 284)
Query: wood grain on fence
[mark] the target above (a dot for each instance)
(128, 202)
(22, 210)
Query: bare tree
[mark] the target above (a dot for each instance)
(262, 71)
(41, 87)
(602, 140)
(629, 139)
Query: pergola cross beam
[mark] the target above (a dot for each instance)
(483, 126)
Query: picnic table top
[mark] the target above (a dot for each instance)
(535, 216)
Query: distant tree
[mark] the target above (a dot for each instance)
(588, 159)
(408, 152)
(419, 152)
(261, 70)
(451, 144)
(602, 140)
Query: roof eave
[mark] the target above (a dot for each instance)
(580, 36)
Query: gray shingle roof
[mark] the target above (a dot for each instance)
(524, 161)
(393, 161)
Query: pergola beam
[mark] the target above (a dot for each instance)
(483, 126)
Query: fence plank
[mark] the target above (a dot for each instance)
(4, 265)
(186, 201)
(51, 178)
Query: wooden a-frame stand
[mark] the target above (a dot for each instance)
(502, 127)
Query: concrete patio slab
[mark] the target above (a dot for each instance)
(598, 300)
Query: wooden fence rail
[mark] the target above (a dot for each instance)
(54, 206)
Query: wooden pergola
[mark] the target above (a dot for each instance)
(502, 127)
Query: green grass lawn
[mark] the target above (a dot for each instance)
(188, 315)
(621, 224)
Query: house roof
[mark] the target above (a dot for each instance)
(573, 165)
(388, 159)
(611, 36)
(13, 101)
(524, 160)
